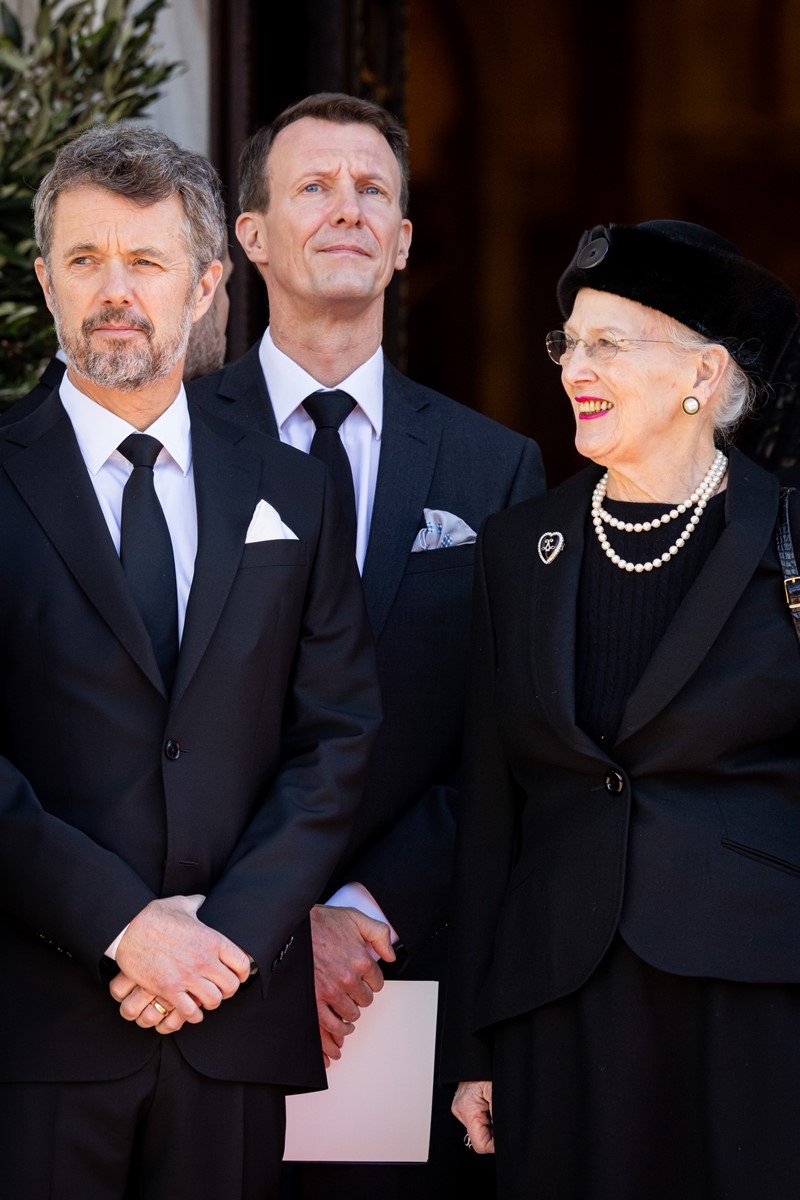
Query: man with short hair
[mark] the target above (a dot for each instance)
(204, 353)
(188, 702)
(323, 199)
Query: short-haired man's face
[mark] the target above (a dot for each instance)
(120, 287)
(334, 230)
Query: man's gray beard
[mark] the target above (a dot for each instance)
(123, 368)
(206, 349)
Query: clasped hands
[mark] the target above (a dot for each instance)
(172, 966)
(169, 960)
(346, 973)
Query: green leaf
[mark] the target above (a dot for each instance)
(43, 21)
(10, 26)
(148, 14)
(114, 11)
(12, 58)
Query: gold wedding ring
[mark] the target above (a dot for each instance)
(159, 1007)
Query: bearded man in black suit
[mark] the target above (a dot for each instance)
(188, 703)
(323, 199)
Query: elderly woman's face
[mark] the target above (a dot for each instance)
(628, 406)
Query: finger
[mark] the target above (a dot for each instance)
(330, 1049)
(371, 978)
(135, 1004)
(171, 1023)
(206, 994)
(481, 1136)
(332, 1023)
(121, 986)
(187, 1007)
(382, 944)
(236, 960)
(341, 1006)
(151, 1015)
(350, 990)
(213, 983)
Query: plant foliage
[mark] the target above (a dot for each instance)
(81, 65)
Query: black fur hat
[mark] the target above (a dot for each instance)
(694, 276)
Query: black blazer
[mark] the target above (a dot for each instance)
(685, 835)
(241, 785)
(436, 454)
(49, 379)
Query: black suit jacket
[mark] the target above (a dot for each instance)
(685, 835)
(436, 454)
(50, 378)
(241, 785)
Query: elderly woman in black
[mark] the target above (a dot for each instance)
(624, 1006)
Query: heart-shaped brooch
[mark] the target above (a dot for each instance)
(550, 546)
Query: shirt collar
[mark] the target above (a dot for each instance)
(99, 431)
(288, 384)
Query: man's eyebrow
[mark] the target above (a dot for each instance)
(79, 248)
(136, 252)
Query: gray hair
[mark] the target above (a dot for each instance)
(336, 107)
(738, 390)
(145, 166)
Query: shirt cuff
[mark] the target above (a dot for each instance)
(111, 952)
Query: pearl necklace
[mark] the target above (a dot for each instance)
(699, 499)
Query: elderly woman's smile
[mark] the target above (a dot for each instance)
(590, 407)
(626, 378)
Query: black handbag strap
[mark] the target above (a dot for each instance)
(791, 578)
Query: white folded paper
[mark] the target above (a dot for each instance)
(267, 526)
(378, 1104)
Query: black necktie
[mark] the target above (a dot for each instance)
(146, 552)
(327, 410)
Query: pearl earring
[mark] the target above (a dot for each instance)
(691, 405)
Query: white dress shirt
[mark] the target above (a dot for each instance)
(288, 385)
(100, 432)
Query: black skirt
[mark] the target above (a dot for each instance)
(649, 1086)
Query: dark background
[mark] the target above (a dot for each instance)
(530, 122)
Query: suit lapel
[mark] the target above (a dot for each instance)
(409, 446)
(554, 604)
(243, 390)
(226, 483)
(750, 514)
(53, 373)
(52, 479)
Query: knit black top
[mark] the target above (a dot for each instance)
(623, 615)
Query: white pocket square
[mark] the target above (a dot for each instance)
(267, 526)
(441, 531)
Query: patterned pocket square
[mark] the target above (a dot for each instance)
(267, 526)
(441, 531)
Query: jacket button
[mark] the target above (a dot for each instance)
(172, 750)
(614, 782)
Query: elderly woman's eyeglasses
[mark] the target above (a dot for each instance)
(561, 346)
